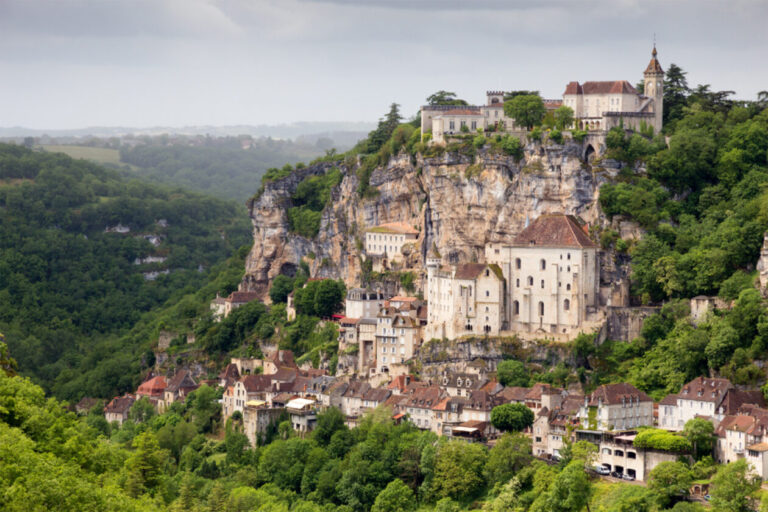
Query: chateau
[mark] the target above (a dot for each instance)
(597, 106)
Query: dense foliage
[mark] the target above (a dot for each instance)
(220, 166)
(69, 290)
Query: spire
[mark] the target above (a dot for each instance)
(654, 66)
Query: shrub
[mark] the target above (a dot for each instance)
(556, 136)
(656, 439)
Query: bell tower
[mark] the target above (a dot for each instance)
(654, 89)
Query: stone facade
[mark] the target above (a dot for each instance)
(464, 299)
(388, 240)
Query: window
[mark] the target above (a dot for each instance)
(541, 308)
(530, 280)
(474, 125)
(569, 255)
(517, 283)
(516, 308)
(487, 293)
(452, 125)
(543, 265)
(568, 286)
(518, 263)
(542, 284)
(486, 309)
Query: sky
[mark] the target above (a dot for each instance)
(78, 63)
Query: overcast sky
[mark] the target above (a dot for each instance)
(77, 63)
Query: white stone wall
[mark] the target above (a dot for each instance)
(390, 244)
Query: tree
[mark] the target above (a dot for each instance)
(459, 470)
(444, 98)
(511, 417)
(512, 373)
(7, 363)
(700, 433)
(396, 496)
(676, 93)
(568, 492)
(282, 286)
(144, 465)
(509, 455)
(328, 423)
(733, 488)
(526, 110)
(563, 117)
(142, 410)
(670, 481)
(328, 297)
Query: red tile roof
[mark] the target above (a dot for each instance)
(554, 230)
(612, 394)
(653, 65)
(153, 387)
(610, 87)
(705, 389)
(119, 404)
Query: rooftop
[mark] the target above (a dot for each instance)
(394, 227)
(554, 230)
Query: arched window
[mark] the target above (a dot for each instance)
(541, 308)
(568, 286)
(567, 304)
(487, 272)
(516, 308)
(542, 284)
(518, 263)
(517, 282)
(543, 264)
(530, 280)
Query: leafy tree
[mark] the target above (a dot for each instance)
(329, 423)
(700, 433)
(444, 98)
(281, 287)
(142, 410)
(510, 454)
(733, 488)
(563, 117)
(511, 417)
(569, 491)
(670, 481)
(676, 93)
(459, 470)
(526, 110)
(145, 465)
(512, 373)
(7, 363)
(396, 496)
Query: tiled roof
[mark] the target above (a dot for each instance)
(541, 388)
(153, 387)
(119, 404)
(653, 65)
(554, 230)
(394, 227)
(462, 380)
(670, 399)
(612, 394)
(230, 372)
(425, 398)
(735, 398)
(242, 297)
(282, 358)
(473, 270)
(609, 87)
(513, 394)
(182, 380)
(256, 383)
(705, 389)
(463, 112)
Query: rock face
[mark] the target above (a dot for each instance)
(457, 202)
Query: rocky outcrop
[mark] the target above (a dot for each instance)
(457, 202)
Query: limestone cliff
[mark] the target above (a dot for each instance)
(457, 202)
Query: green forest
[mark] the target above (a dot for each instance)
(71, 293)
(219, 167)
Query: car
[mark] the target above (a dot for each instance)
(555, 457)
(602, 470)
(627, 477)
(616, 474)
(707, 497)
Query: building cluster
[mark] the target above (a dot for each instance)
(597, 106)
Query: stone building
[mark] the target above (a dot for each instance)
(464, 300)
(604, 105)
(398, 335)
(552, 274)
(118, 408)
(362, 303)
(388, 240)
(616, 407)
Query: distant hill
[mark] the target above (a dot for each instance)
(74, 273)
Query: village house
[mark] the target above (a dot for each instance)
(118, 408)
(551, 426)
(221, 307)
(552, 275)
(460, 384)
(388, 240)
(464, 300)
(702, 397)
(616, 407)
(362, 303)
(178, 388)
(617, 453)
(744, 434)
(229, 375)
(303, 414)
(418, 406)
(152, 389)
(398, 335)
(257, 416)
(279, 359)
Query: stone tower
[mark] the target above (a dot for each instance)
(654, 89)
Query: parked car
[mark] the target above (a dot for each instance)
(707, 497)
(627, 476)
(616, 474)
(602, 470)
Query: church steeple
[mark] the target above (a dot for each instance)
(654, 88)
